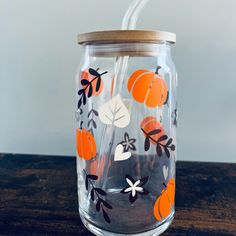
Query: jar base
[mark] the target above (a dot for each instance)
(153, 232)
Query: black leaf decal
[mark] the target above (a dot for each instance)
(147, 144)
(100, 191)
(81, 91)
(90, 92)
(106, 204)
(86, 183)
(132, 198)
(167, 152)
(93, 177)
(92, 194)
(84, 82)
(172, 148)
(95, 112)
(94, 124)
(169, 142)
(162, 138)
(98, 205)
(79, 103)
(93, 72)
(89, 123)
(90, 112)
(159, 150)
(106, 217)
(84, 99)
(153, 132)
(98, 83)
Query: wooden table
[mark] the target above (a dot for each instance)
(38, 197)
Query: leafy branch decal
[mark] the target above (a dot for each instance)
(97, 196)
(87, 89)
(160, 144)
(91, 122)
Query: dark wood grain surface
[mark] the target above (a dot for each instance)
(38, 196)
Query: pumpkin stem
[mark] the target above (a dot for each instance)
(158, 68)
(81, 124)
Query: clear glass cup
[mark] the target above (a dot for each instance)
(126, 133)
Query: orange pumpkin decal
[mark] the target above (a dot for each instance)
(165, 201)
(85, 75)
(85, 144)
(148, 87)
(150, 123)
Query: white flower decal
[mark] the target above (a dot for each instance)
(135, 187)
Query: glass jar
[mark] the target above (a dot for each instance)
(126, 132)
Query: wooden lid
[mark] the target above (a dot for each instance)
(126, 36)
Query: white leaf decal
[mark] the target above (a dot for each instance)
(165, 172)
(120, 155)
(114, 112)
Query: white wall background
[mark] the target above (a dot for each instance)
(39, 56)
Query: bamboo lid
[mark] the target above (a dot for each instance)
(126, 36)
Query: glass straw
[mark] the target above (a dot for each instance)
(131, 16)
(129, 23)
